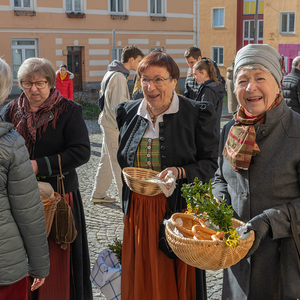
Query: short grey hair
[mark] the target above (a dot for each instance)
(296, 62)
(5, 80)
(36, 66)
(251, 67)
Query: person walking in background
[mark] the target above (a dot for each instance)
(258, 174)
(192, 55)
(24, 247)
(163, 132)
(64, 82)
(116, 92)
(210, 88)
(232, 102)
(52, 125)
(291, 86)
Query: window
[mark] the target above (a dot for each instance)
(287, 22)
(73, 5)
(249, 7)
(22, 4)
(21, 50)
(218, 55)
(249, 31)
(218, 17)
(117, 6)
(156, 7)
(117, 53)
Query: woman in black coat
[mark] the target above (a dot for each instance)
(161, 132)
(52, 125)
(210, 88)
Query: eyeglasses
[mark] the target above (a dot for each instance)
(38, 84)
(158, 81)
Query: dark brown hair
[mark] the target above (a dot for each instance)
(192, 51)
(130, 51)
(162, 60)
(207, 65)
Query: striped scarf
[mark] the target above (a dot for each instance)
(240, 145)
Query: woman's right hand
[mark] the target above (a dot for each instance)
(35, 167)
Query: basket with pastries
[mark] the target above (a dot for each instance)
(207, 236)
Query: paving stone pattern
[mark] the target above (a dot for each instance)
(105, 221)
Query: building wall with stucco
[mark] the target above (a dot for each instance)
(84, 39)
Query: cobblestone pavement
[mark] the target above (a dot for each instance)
(105, 221)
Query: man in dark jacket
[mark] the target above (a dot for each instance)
(191, 87)
(291, 86)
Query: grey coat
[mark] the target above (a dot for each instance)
(22, 219)
(271, 182)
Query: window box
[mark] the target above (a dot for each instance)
(78, 15)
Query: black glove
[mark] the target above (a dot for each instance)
(261, 225)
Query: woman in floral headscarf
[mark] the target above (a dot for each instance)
(259, 171)
(52, 125)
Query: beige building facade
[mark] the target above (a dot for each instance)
(87, 34)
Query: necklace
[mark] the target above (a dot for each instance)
(153, 119)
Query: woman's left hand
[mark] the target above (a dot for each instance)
(37, 283)
(35, 167)
(174, 171)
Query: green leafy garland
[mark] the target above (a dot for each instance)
(117, 249)
(201, 202)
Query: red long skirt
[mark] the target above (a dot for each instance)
(147, 273)
(15, 291)
(59, 283)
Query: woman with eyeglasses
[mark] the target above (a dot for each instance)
(161, 132)
(211, 89)
(52, 125)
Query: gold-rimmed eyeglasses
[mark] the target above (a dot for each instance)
(38, 84)
(158, 81)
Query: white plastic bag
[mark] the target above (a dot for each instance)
(106, 275)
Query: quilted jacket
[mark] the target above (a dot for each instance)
(23, 238)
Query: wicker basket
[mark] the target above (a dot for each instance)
(49, 209)
(133, 178)
(208, 254)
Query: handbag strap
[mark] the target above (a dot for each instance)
(108, 79)
(294, 229)
(60, 183)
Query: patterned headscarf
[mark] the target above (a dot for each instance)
(31, 124)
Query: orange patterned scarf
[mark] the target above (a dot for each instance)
(240, 145)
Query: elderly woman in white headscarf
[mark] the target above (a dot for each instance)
(259, 173)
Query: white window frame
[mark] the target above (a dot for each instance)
(23, 48)
(73, 6)
(212, 17)
(12, 3)
(156, 13)
(218, 58)
(117, 12)
(249, 38)
(250, 6)
(288, 19)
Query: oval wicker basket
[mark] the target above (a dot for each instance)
(49, 209)
(206, 254)
(133, 178)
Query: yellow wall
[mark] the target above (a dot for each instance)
(218, 37)
(271, 22)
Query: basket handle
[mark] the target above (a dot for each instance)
(60, 183)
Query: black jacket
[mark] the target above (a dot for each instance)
(188, 139)
(70, 139)
(291, 89)
(211, 92)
